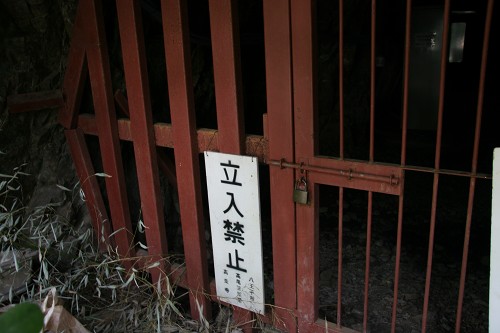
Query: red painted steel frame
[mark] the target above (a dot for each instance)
(134, 61)
(302, 16)
(437, 159)
(403, 162)
(74, 79)
(227, 75)
(35, 101)
(107, 127)
(165, 164)
(88, 42)
(475, 154)
(371, 158)
(306, 216)
(228, 93)
(180, 88)
(88, 183)
(76, 71)
(208, 139)
(280, 128)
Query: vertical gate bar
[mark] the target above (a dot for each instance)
(227, 75)
(437, 159)
(339, 264)
(228, 91)
(404, 126)
(406, 81)
(475, 154)
(398, 258)
(372, 78)
(341, 154)
(371, 157)
(280, 134)
(302, 15)
(367, 263)
(134, 62)
(180, 89)
(166, 165)
(403, 162)
(430, 252)
(341, 77)
(88, 182)
(76, 72)
(107, 128)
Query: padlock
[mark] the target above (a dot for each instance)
(300, 194)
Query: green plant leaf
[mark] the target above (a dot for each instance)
(25, 317)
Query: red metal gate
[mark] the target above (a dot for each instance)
(367, 176)
(289, 146)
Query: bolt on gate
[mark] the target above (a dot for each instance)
(295, 144)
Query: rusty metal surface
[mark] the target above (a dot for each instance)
(35, 101)
(280, 134)
(180, 89)
(375, 177)
(134, 61)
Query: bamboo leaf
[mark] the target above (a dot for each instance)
(63, 188)
(102, 174)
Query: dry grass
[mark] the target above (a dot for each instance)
(54, 251)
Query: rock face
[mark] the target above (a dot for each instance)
(33, 59)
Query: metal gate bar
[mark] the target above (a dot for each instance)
(35, 101)
(109, 142)
(437, 159)
(475, 154)
(208, 139)
(88, 183)
(341, 155)
(178, 59)
(88, 42)
(281, 145)
(371, 159)
(227, 74)
(303, 106)
(134, 62)
(341, 88)
(76, 72)
(228, 93)
(403, 162)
